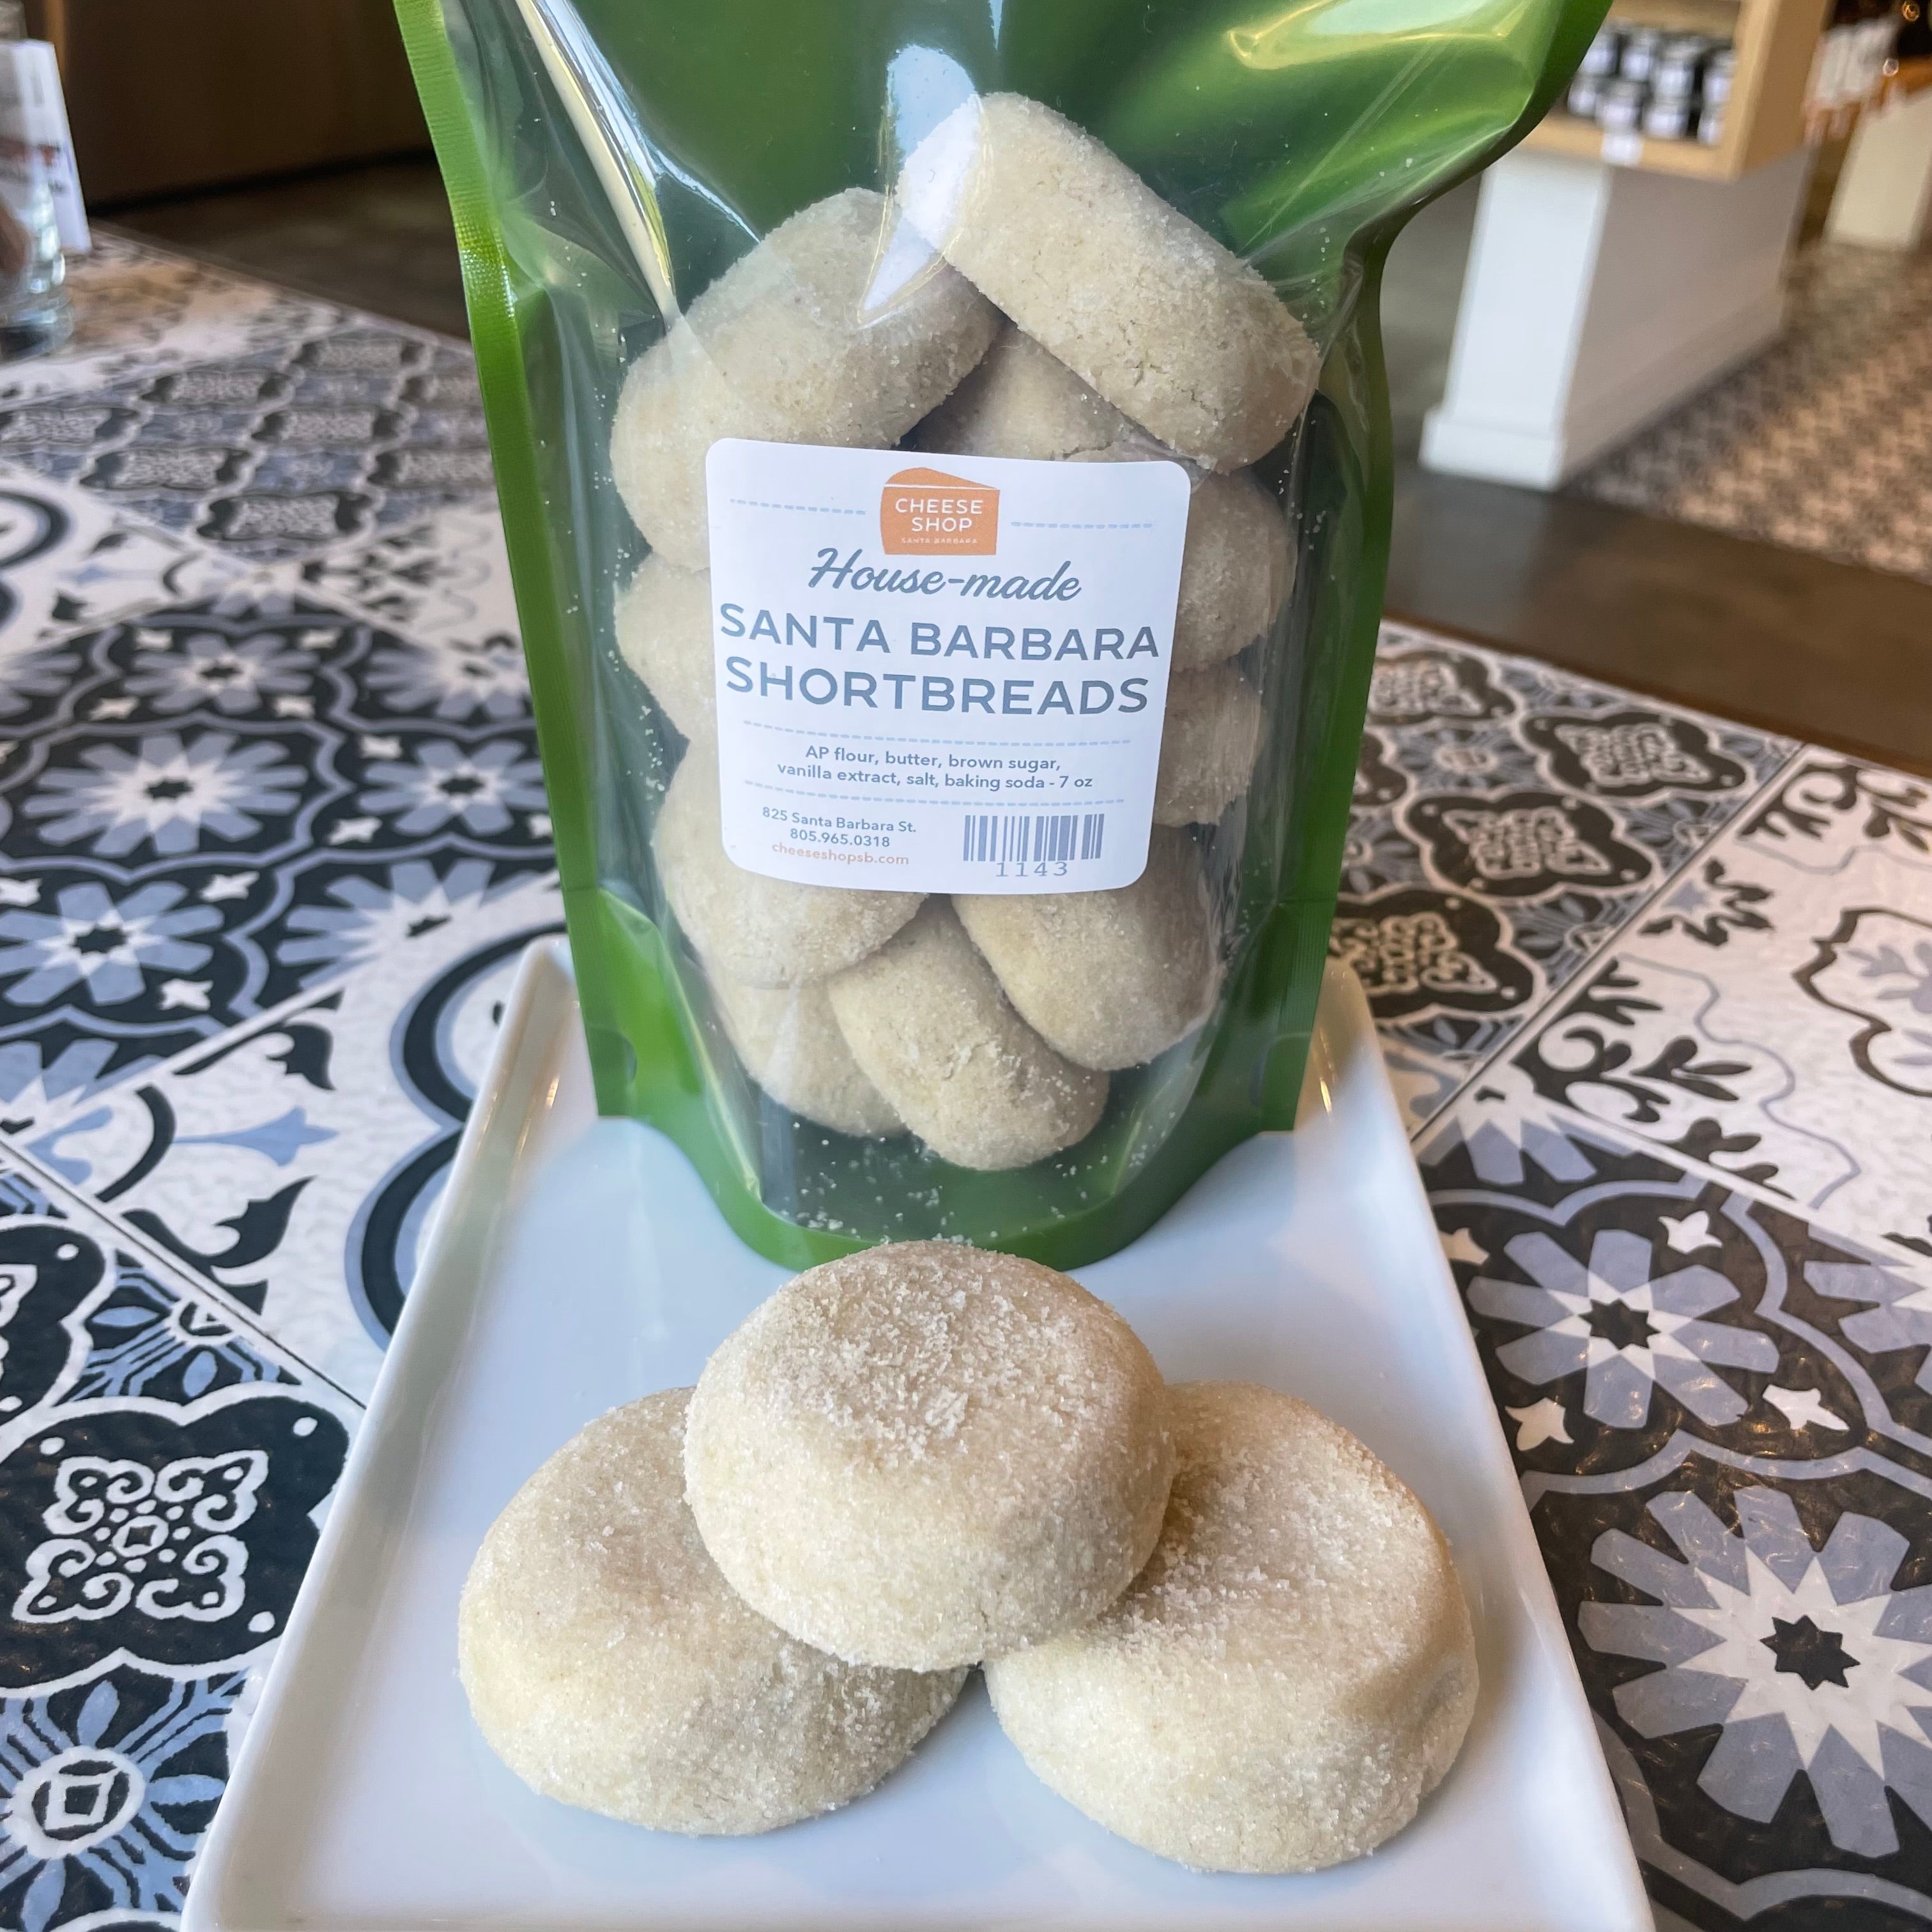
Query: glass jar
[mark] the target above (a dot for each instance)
(1639, 54)
(36, 315)
(1620, 109)
(1600, 57)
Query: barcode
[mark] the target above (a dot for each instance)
(1057, 837)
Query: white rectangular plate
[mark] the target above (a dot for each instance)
(579, 1264)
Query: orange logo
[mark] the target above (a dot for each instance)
(924, 512)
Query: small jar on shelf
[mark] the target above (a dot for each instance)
(1669, 118)
(1620, 110)
(1600, 57)
(1586, 92)
(1678, 74)
(1638, 58)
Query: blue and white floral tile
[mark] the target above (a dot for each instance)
(70, 563)
(297, 1162)
(1715, 1406)
(1509, 819)
(352, 427)
(140, 309)
(108, 1785)
(163, 1467)
(1771, 1012)
(1755, 1645)
(192, 792)
(262, 852)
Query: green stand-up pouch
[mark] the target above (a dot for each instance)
(943, 450)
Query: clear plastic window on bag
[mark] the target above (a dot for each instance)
(944, 455)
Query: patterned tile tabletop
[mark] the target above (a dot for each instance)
(1656, 991)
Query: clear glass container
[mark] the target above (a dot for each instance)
(36, 314)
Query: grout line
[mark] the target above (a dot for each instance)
(170, 1271)
(1587, 1126)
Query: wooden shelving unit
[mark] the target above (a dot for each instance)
(1775, 40)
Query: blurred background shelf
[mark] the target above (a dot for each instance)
(1776, 41)
(1566, 133)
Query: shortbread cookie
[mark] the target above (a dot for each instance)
(1235, 572)
(1023, 401)
(1143, 306)
(1108, 978)
(767, 932)
(792, 1047)
(663, 625)
(927, 1023)
(1208, 744)
(925, 1454)
(1237, 565)
(836, 329)
(609, 1665)
(1290, 1676)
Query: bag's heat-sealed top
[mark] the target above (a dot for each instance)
(944, 458)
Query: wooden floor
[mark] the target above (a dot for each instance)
(379, 236)
(1779, 637)
(1821, 650)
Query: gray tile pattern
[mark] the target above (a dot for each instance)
(1824, 442)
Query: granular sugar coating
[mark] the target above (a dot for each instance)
(926, 1453)
(1022, 401)
(1108, 978)
(767, 932)
(609, 1665)
(1235, 573)
(663, 626)
(1144, 307)
(1290, 1675)
(927, 1022)
(1208, 744)
(836, 329)
(791, 1046)
(1236, 564)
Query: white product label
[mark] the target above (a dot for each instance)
(1623, 148)
(939, 673)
